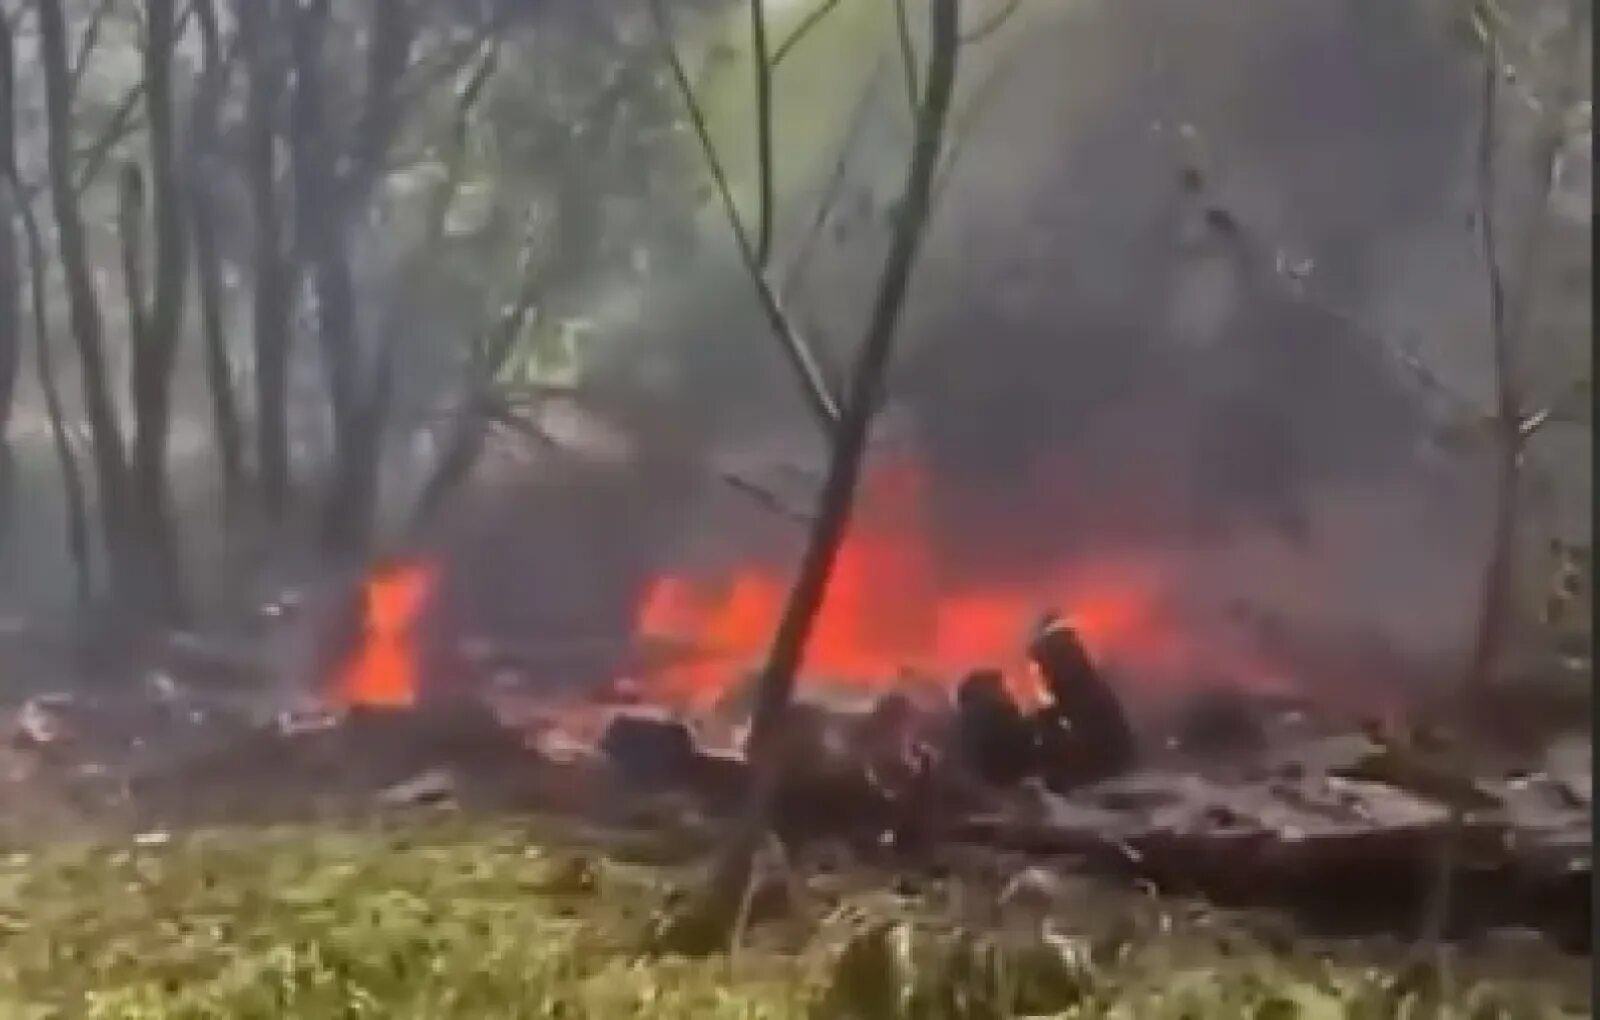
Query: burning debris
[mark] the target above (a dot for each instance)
(1051, 766)
(1079, 735)
(1083, 729)
(382, 670)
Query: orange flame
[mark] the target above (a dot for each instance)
(888, 610)
(382, 671)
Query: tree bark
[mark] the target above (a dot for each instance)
(153, 406)
(327, 208)
(349, 513)
(775, 687)
(83, 302)
(10, 279)
(1507, 333)
(259, 26)
(225, 422)
(71, 481)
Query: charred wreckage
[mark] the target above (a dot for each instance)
(1247, 800)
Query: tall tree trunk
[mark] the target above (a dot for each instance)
(208, 267)
(330, 205)
(775, 687)
(1508, 325)
(260, 23)
(156, 356)
(320, 242)
(352, 505)
(71, 481)
(83, 305)
(15, 209)
(468, 430)
(10, 280)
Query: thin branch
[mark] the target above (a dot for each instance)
(1506, 386)
(961, 130)
(87, 43)
(1512, 427)
(766, 497)
(830, 190)
(461, 122)
(809, 22)
(1494, 596)
(763, 73)
(813, 382)
(428, 71)
(124, 121)
(125, 118)
(994, 23)
(730, 881)
(908, 53)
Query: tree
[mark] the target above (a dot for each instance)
(105, 435)
(713, 918)
(1512, 423)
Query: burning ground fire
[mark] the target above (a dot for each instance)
(382, 669)
(889, 613)
(891, 618)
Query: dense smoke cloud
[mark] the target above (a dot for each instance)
(1096, 359)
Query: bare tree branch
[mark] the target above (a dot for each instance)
(908, 53)
(87, 43)
(830, 191)
(730, 882)
(1511, 427)
(800, 31)
(763, 71)
(990, 25)
(814, 384)
(124, 121)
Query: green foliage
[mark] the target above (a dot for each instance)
(450, 920)
(318, 924)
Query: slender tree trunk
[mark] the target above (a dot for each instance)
(208, 267)
(352, 507)
(130, 236)
(15, 210)
(775, 687)
(71, 481)
(10, 280)
(320, 241)
(469, 427)
(156, 359)
(83, 302)
(1507, 332)
(260, 22)
(330, 207)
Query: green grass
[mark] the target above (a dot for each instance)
(452, 920)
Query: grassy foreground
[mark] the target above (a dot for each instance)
(451, 920)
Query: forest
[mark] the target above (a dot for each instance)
(927, 509)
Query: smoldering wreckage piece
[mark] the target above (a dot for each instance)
(1311, 827)
(1079, 736)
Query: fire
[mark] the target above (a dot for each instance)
(889, 609)
(382, 670)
